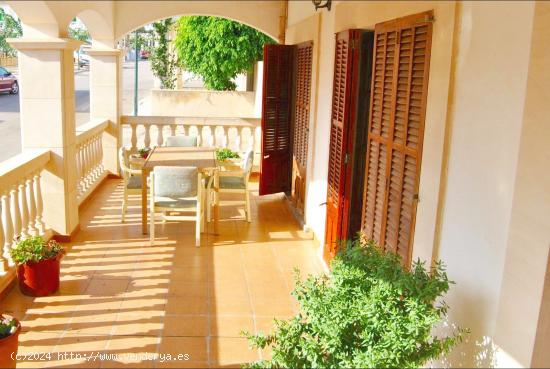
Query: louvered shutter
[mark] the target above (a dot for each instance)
(341, 132)
(397, 114)
(304, 54)
(275, 166)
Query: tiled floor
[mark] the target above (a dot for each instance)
(119, 295)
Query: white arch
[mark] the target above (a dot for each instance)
(37, 19)
(261, 15)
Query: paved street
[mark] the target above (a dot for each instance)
(10, 130)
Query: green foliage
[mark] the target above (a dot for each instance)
(218, 49)
(8, 326)
(78, 33)
(163, 62)
(144, 152)
(9, 28)
(370, 312)
(224, 154)
(35, 249)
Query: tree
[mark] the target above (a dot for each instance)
(9, 28)
(78, 32)
(218, 49)
(163, 61)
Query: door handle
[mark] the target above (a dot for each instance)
(323, 203)
(266, 156)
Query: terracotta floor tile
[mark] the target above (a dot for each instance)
(119, 294)
(194, 347)
(131, 351)
(230, 326)
(231, 351)
(185, 326)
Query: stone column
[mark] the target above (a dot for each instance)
(105, 100)
(46, 78)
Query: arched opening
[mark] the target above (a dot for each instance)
(77, 30)
(172, 83)
(10, 127)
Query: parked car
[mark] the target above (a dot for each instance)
(144, 54)
(8, 82)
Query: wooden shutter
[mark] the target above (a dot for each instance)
(341, 133)
(304, 54)
(396, 131)
(275, 166)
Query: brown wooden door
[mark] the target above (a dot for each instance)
(275, 165)
(396, 131)
(341, 134)
(303, 62)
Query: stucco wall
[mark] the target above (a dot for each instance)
(228, 104)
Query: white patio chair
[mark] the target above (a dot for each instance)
(176, 189)
(181, 141)
(131, 178)
(236, 181)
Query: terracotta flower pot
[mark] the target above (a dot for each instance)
(39, 278)
(8, 349)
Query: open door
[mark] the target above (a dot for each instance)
(302, 96)
(346, 66)
(395, 136)
(276, 163)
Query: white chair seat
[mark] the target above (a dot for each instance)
(168, 202)
(134, 183)
(232, 183)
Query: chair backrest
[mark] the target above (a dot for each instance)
(175, 182)
(247, 162)
(123, 161)
(181, 141)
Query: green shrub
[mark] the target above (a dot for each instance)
(370, 312)
(35, 249)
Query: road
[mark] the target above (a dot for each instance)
(10, 129)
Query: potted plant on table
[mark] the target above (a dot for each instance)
(144, 152)
(9, 340)
(226, 155)
(38, 265)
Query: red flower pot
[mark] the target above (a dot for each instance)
(8, 349)
(39, 278)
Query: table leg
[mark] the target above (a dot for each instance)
(144, 202)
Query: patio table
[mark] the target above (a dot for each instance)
(204, 158)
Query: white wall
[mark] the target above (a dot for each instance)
(491, 61)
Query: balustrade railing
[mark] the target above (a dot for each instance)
(21, 200)
(89, 157)
(238, 134)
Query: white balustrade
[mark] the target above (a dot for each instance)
(238, 134)
(21, 204)
(89, 157)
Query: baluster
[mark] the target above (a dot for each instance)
(39, 205)
(97, 170)
(239, 142)
(225, 137)
(147, 139)
(24, 210)
(100, 152)
(133, 140)
(15, 212)
(173, 129)
(78, 175)
(8, 225)
(4, 257)
(160, 138)
(32, 207)
(85, 165)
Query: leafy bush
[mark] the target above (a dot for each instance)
(163, 62)
(370, 312)
(224, 154)
(35, 249)
(8, 325)
(218, 49)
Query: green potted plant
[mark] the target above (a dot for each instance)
(369, 312)
(9, 340)
(38, 265)
(144, 152)
(226, 155)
